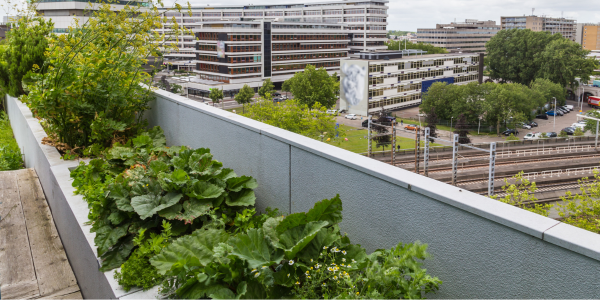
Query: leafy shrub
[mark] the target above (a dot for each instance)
(138, 185)
(583, 210)
(522, 195)
(302, 255)
(512, 137)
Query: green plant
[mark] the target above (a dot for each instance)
(522, 194)
(314, 86)
(302, 255)
(563, 134)
(176, 89)
(142, 183)
(578, 132)
(137, 270)
(92, 92)
(244, 96)
(216, 95)
(512, 137)
(296, 117)
(267, 89)
(583, 210)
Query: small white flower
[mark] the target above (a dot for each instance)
(325, 247)
(311, 260)
(253, 270)
(353, 260)
(344, 252)
(288, 274)
(264, 267)
(257, 274)
(349, 266)
(343, 259)
(291, 262)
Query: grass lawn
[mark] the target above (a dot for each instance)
(358, 143)
(10, 155)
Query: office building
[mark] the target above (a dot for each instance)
(237, 45)
(565, 26)
(588, 36)
(396, 79)
(468, 36)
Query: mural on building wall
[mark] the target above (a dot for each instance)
(220, 49)
(353, 83)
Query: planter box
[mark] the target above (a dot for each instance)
(481, 248)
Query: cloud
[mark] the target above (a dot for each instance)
(410, 15)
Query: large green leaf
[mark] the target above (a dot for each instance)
(158, 166)
(244, 198)
(108, 236)
(200, 163)
(295, 239)
(324, 238)
(225, 174)
(193, 289)
(329, 210)
(291, 221)
(117, 255)
(236, 184)
(204, 190)
(158, 137)
(121, 196)
(192, 210)
(148, 205)
(255, 249)
(220, 292)
(195, 249)
(269, 228)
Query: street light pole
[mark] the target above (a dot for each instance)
(554, 125)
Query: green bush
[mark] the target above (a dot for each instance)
(138, 185)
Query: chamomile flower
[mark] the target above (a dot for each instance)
(257, 274)
(308, 277)
(325, 247)
(288, 275)
(311, 268)
(264, 267)
(344, 252)
(357, 293)
(297, 282)
(253, 270)
(311, 260)
(342, 265)
(291, 262)
(334, 277)
(343, 259)
(307, 272)
(349, 266)
(324, 284)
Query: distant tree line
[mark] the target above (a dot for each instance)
(400, 45)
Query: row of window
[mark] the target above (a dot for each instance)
(376, 19)
(243, 48)
(360, 44)
(303, 66)
(399, 89)
(423, 63)
(207, 58)
(246, 70)
(466, 78)
(244, 37)
(298, 46)
(360, 27)
(244, 59)
(395, 100)
(308, 56)
(214, 78)
(289, 37)
(207, 67)
(204, 47)
(207, 36)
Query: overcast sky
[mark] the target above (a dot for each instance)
(410, 15)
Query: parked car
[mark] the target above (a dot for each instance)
(276, 94)
(389, 120)
(569, 130)
(284, 97)
(525, 126)
(562, 110)
(531, 136)
(569, 107)
(551, 134)
(578, 125)
(510, 131)
(350, 116)
(542, 116)
(341, 111)
(332, 112)
(532, 123)
(277, 100)
(550, 113)
(365, 123)
(411, 127)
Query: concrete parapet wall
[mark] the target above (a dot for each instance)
(480, 248)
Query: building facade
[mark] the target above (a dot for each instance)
(565, 26)
(468, 36)
(237, 45)
(588, 36)
(396, 79)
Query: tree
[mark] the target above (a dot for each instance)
(314, 86)
(244, 96)
(431, 49)
(521, 193)
(382, 137)
(548, 90)
(462, 129)
(216, 95)
(583, 209)
(24, 52)
(508, 102)
(286, 87)
(441, 97)
(563, 60)
(266, 90)
(578, 132)
(521, 56)
(296, 117)
(432, 120)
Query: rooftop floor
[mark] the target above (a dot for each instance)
(33, 263)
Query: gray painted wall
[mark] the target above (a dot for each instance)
(481, 248)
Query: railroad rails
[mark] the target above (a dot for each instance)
(555, 168)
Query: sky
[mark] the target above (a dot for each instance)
(410, 15)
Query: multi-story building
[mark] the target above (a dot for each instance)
(395, 79)
(588, 36)
(237, 45)
(565, 26)
(64, 12)
(468, 36)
